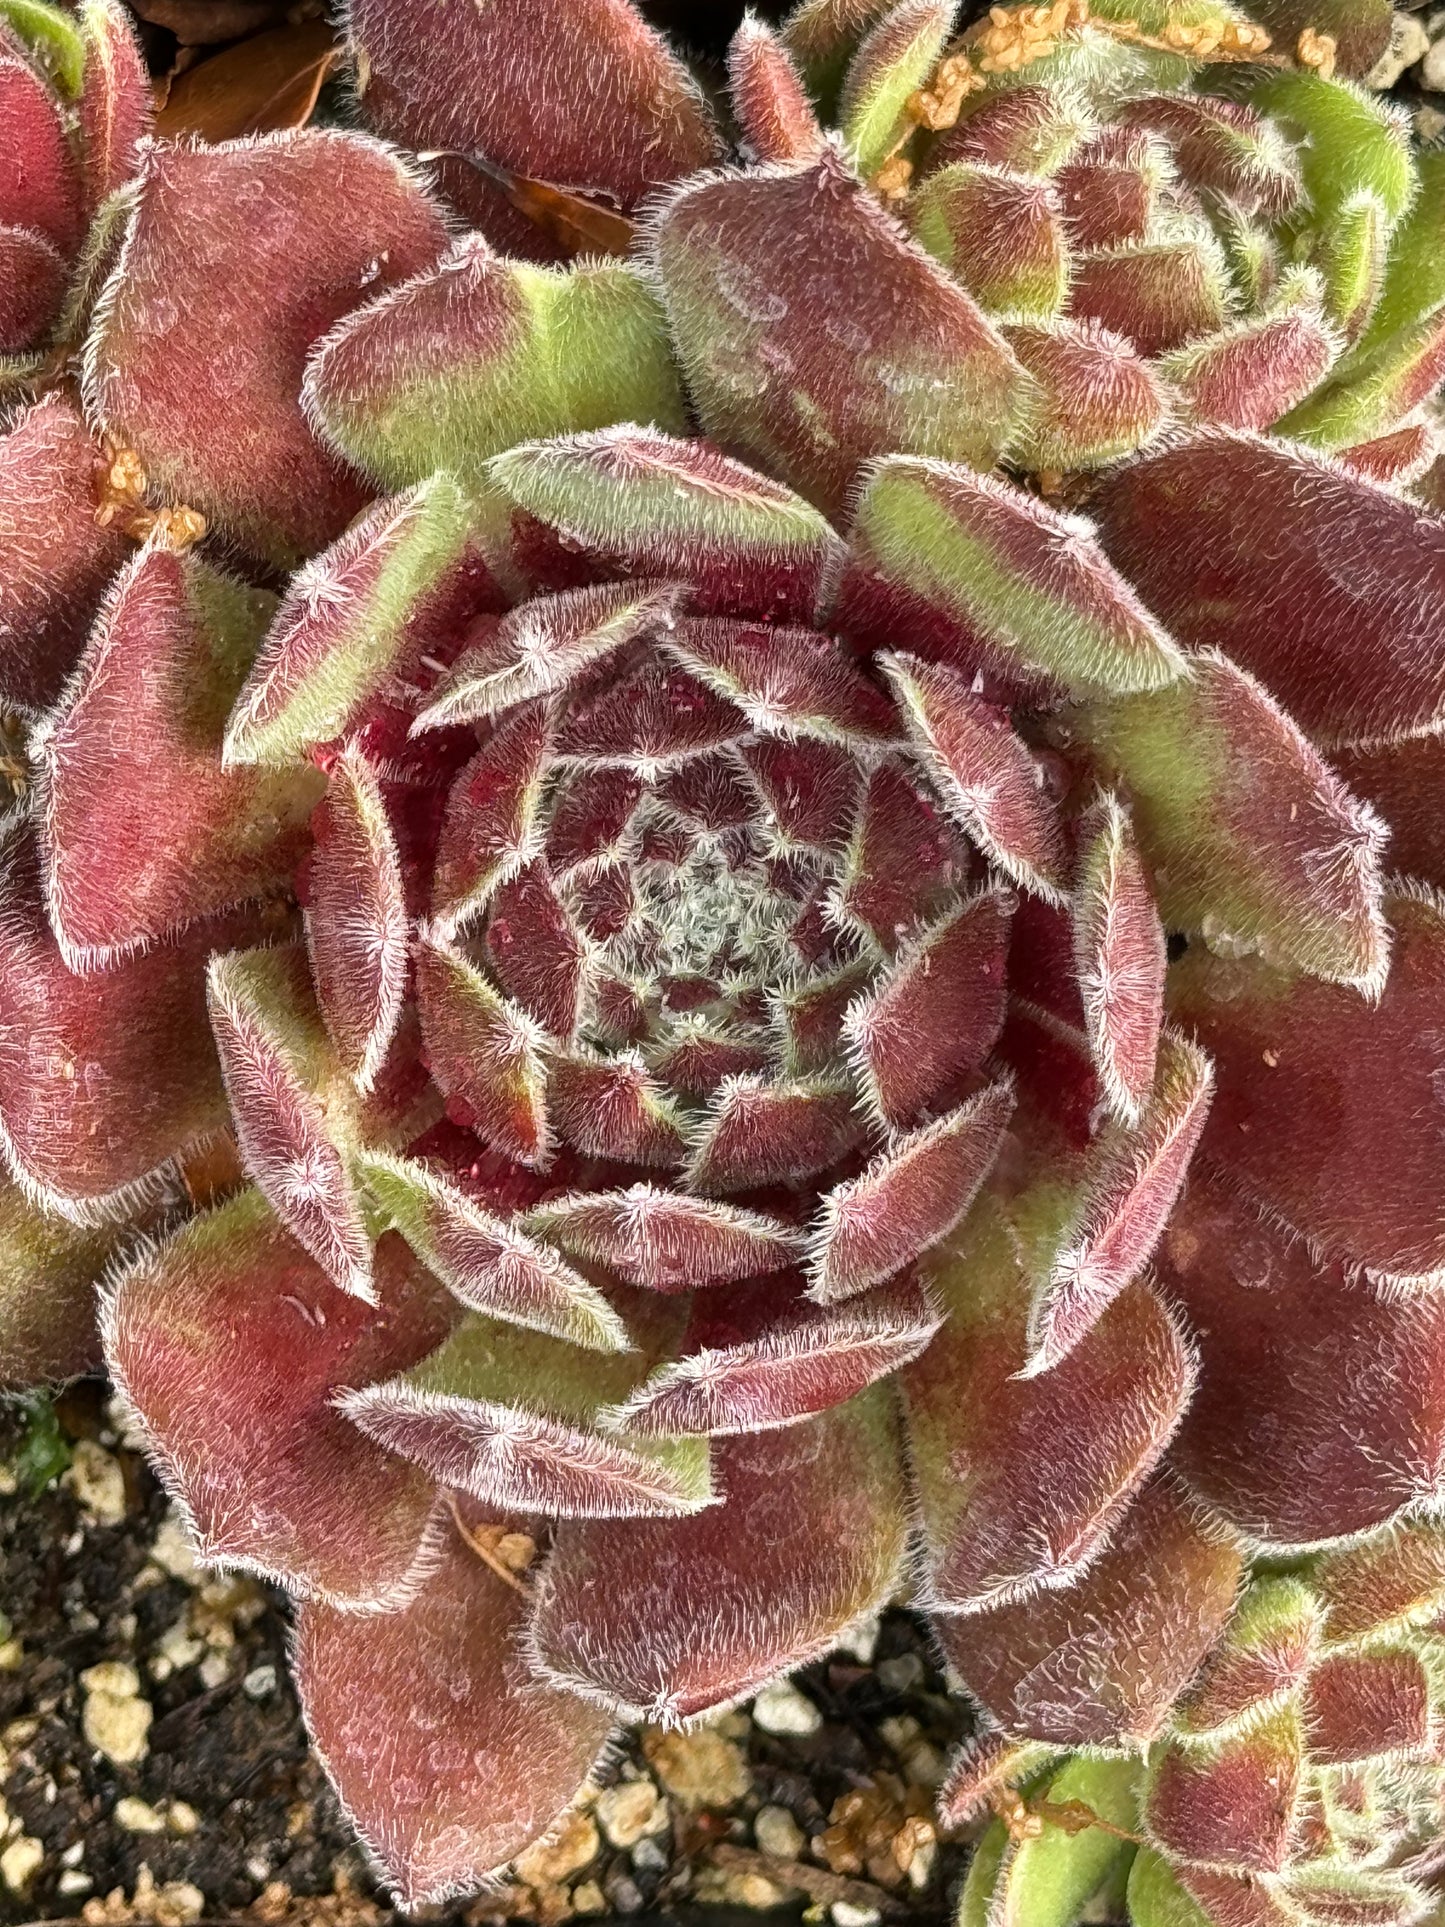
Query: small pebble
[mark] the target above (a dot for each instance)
(258, 1867)
(173, 1552)
(575, 1845)
(901, 1674)
(95, 1477)
(649, 1855)
(862, 1640)
(259, 1683)
(20, 1862)
(624, 1893)
(11, 1654)
(73, 1854)
(116, 1720)
(845, 1914)
(783, 1709)
(589, 1899)
(182, 1818)
(1409, 42)
(699, 1768)
(137, 1816)
(1432, 68)
(627, 1811)
(71, 1882)
(215, 1670)
(778, 1833)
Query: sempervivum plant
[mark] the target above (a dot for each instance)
(603, 882)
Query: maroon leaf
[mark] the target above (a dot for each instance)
(33, 278)
(1156, 295)
(115, 100)
(768, 96)
(1098, 397)
(1020, 1480)
(212, 408)
(1236, 540)
(1103, 1659)
(1369, 1706)
(786, 681)
(758, 1133)
(1321, 1404)
(1232, 1803)
(58, 559)
(1405, 781)
(103, 1079)
(665, 1620)
(1120, 957)
(357, 928)
(529, 92)
(1387, 1584)
(937, 1014)
(666, 1241)
(446, 1755)
(1326, 1118)
(39, 187)
(1250, 374)
(484, 1052)
(491, 826)
(143, 829)
(907, 1199)
(756, 272)
(230, 1344)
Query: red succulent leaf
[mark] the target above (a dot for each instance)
(1110, 187)
(1142, 1616)
(114, 109)
(231, 1344)
(1120, 958)
(1250, 374)
(1387, 1584)
(1321, 1404)
(59, 560)
(988, 578)
(776, 1364)
(447, 1756)
(484, 1052)
(811, 790)
(1223, 147)
(908, 1198)
(666, 1620)
(1402, 456)
(985, 1766)
(1245, 831)
(1020, 1480)
(636, 502)
(1000, 234)
(103, 1079)
(822, 36)
(529, 91)
(902, 861)
(487, 1262)
(786, 681)
(1157, 295)
(39, 186)
(536, 949)
(1098, 397)
(757, 1132)
(1267, 1652)
(1235, 1899)
(756, 272)
(510, 1417)
(665, 1240)
(985, 774)
(547, 643)
(48, 1275)
(293, 1136)
(936, 1015)
(491, 828)
(357, 928)
(143, 828)
(33, 278)
(1201, 528)
(1326, 1896)
(614, 1108)
(768, 97)
(1128, 1191)
(348, 619)
(213, 410)
(1231, 1803)
(1379, 1704)
(1031, 129)
(1405, 782)
(651, 718)
(1326, 1121)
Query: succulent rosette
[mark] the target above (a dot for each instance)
(698, 906)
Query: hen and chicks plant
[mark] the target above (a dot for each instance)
(722, 901)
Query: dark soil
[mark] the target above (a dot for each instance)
(243, 1823)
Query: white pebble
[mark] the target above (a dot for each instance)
(1432, 68)
(627, 1811)
(783, 1709)
(20, 1862)
(116, 1720)
(137, 1816)
(98, 1483)
(862, 1640)
(1408, 43)
(259, 1682)
(173, 1552)
(845, 1914)
(71, 1882)
(778, 1833)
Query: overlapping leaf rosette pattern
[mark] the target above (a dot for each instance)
(638, 877)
